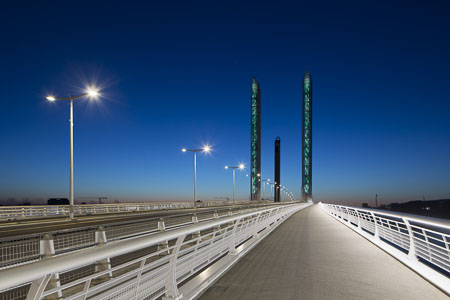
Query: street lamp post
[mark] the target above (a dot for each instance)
(205, 149)
(91, 93)
(264, 186)
(271, 190)
(241, 167)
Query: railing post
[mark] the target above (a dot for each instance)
(165, 244)
(172, 291)
(232, 245)
(195, 221)
(255, 226)
(216, 216)
(359, 220)
(138, 279)
(47, 250)
(376, 233)
(37, 287)
(100, 239)
(412, 248)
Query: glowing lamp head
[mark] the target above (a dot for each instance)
(206, 148)
(183, 150)
(92, 92)
(50, 98)
(258, 174)
(268, 179)
(226, 167)
(241, 166)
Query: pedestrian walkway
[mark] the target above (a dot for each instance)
(313, 256)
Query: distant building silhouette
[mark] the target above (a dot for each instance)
(58, 201)
(430, 208)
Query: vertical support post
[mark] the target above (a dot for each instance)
(100, 239)
(171, 283)
(195, 179)
(165, 244)
(232, 245)
(359, 220)
(216, 228)
(255, 226)
(37, 287)
(376, 233)
(47, 250)
(234, 181)
(195, 221)
(71, 208)
(138, 279)
(412, 248)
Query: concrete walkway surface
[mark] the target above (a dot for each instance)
(313, 256)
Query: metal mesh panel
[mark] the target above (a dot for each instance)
(18, 293)
(152, 285)
(76, 274)
(205, 216)
(18, 251)
(66, 241)
(125, 230)
(177, 221)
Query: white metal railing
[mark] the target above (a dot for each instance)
(42, 211)
(25, 249)
(421, 243)
(148, 266)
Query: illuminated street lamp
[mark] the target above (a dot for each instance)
(91, 93)
(240, 167)
(205, 149)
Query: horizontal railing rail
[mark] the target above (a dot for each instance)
(148, 266)
(29, 248)
(422, 243)
(45, 211)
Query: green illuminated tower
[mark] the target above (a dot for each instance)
(255, 142)
(307, 138)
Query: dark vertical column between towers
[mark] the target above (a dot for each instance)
(277, 170)
(307, 138)
(255, 142)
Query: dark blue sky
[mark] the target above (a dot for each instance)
(179, 74)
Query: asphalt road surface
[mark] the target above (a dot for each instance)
(25, 227)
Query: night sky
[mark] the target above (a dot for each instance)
(178, 75)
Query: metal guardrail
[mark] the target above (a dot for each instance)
(42, 211)
(38, 211)
(421, 243)
(149, 266)
(29, 248)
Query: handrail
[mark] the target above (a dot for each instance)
(43, 211)
(27, 248)
(421, 243)
(415, 218)
(39, 271)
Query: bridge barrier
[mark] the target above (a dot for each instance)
(421, 243)
(29, 248)
(148, 266)
(44, 211)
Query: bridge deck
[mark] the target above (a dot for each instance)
(313, 256)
